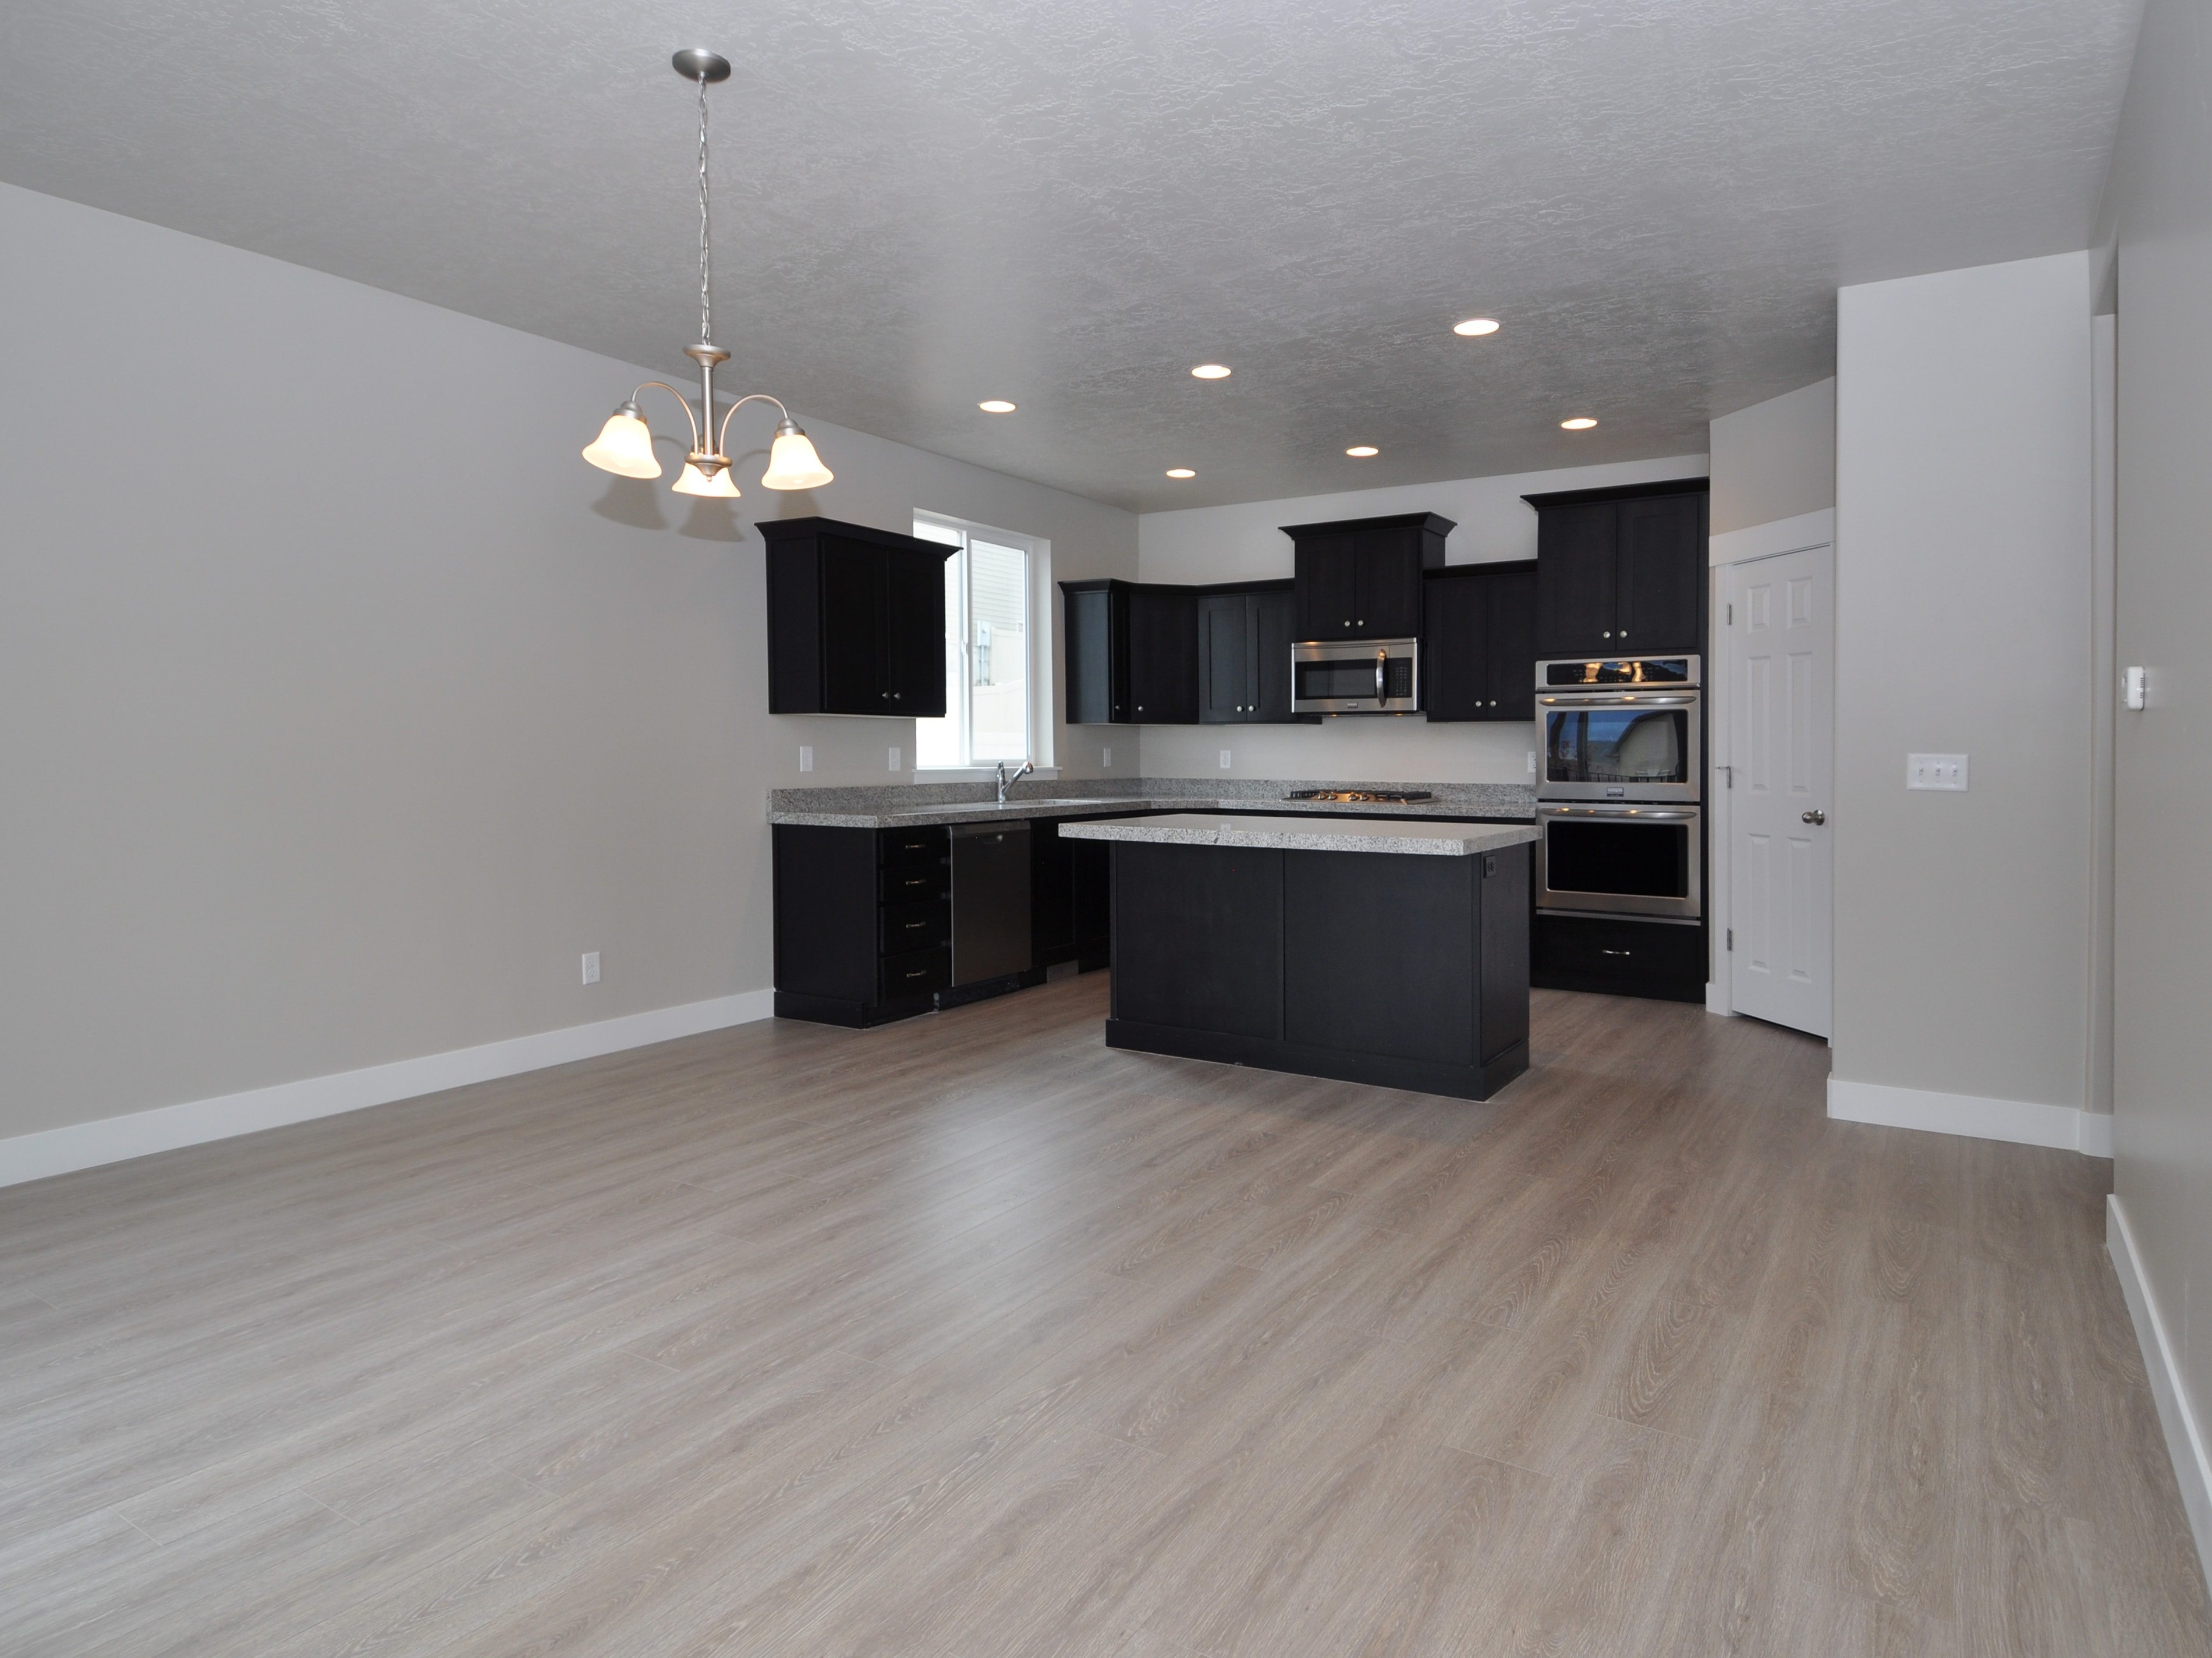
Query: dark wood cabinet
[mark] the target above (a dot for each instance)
(1621, 571)
(863, 922)
(1163, 655)
(1479, 643)
(855, 620)
(1401, 972)
(1070, 898)
(1361, 578)
(1132, 653)
(1094, 629)
(1662, 567)
(1244, 637)
(1619, 956)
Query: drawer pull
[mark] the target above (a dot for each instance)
(1602, 951)
(919, 973)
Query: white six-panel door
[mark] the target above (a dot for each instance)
(1780, 660)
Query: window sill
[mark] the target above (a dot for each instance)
(972, 773)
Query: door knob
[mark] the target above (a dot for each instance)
(1816, 817)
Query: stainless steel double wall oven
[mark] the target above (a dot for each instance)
(1619, 813)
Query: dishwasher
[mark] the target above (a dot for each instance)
(990, 902)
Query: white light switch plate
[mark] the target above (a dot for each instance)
(590, 967)
(1935, 771)
(895, 759)
(806, 756)
(1105, 757)
(1225, 759)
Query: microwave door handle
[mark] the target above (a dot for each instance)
(1381, 657)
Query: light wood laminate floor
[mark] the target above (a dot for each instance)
(969, 1337)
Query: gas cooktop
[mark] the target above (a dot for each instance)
(1364, 796)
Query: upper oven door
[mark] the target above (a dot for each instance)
(1373, 675)
(1620, 746)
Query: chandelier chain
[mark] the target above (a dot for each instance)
(706, 245)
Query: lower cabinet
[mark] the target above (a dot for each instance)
(863, 922)
(1071, 897)
(1619, 956)
(1404, 972)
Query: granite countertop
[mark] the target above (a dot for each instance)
(902, 805)
(1301, 833)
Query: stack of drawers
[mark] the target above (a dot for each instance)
(914, 895)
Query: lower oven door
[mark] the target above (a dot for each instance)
(1621, 860)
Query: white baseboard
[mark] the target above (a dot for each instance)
(2185, 1434)
(1782, 535)
(2021, 1121)
(165, 1128)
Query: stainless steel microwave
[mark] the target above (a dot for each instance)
(1356, 675)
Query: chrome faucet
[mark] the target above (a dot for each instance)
(1028, 766)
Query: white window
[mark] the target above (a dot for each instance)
(989, 655)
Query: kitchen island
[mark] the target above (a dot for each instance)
(1391, 951)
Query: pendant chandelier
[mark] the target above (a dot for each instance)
(624, 445)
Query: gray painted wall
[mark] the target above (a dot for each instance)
(2162, 193)
(1776, 459)
(343, 706)
(1245, 541)
(1963, 590)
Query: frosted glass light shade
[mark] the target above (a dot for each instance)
(791, 462)
(693, 482)
(625, 446)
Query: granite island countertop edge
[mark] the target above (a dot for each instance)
(1270, 833)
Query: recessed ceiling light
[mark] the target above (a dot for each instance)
(1577, 423)
(1475, 326)
(1181, 472)
(1210, 371)
(996, 406)
(1363, 450)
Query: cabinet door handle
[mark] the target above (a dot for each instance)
(1603, 951)
(1608, 633)
(896, 694)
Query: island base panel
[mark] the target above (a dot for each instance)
(1377, 1070)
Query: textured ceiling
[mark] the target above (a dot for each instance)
(924, 202)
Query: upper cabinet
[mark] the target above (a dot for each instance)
(1132, 653)
(1244, 641)
(855, 620)
(1361, 578)
(1621, 571)
(1163, 654)
(1157, 654)
(1479, 642)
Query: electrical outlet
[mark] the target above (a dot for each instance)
(1935, 771)
(1532, 763)
(1225, 759)
(1105, 757)
(806, 756)
(895, 759)
(590, 967)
